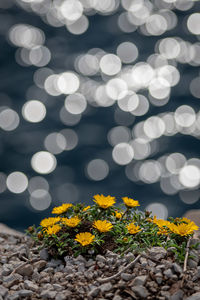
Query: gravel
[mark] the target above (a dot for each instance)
(26, 273)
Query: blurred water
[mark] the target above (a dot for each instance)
(98, 97)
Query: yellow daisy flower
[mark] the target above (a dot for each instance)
(183, 229)
(103, 201)
(130, 202)
(133, 229)
(118, 215)
(53, 229)
(72, 222)
(102, 226)
(49, 221)
(86, 208)
(84, 238)
(163, 231)
(61, 209)
(160, 222)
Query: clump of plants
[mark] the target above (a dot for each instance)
(90, 230)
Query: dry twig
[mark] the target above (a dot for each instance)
(103, 280)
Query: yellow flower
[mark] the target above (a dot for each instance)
(86, 208)
(103, 201)
(183, 229)
(102, 226)
(163, 231)
(53, 229)
(118, 215)
(61, 209)
(72, 222)
(130, 202)
(84, 238)
(160, 222)
(49, 221)
(186, 220)
(133, 229)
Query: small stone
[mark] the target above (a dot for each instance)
(192, 263)
(195, 255)
(159, 278)
(100, 258)
(168, 273)
(117, 297)
(25, 293)
(165, 294)
(195, 296)
(126, 276)
(198, 272)
(3, 291)
(68, 270)
(94, 292)
(178, 295)
(44, 255)
(129, 256)
(151, 263)
(177, 268)
(111, 254)
(39, 265)
(53, 263)
(46, 294)
(143, 261)
(157, 252)
(6, 270)
(57, 287)
(49, 270)
(11, 280)
(29, 285)
(36, 276)
(79, 259)
(106, 287)
(14, 296)
(100, 264)
(25, 270)
(60, 296)
(165, 287)
(140, 291)
(140, 280)
(81, 267)
(89, 263)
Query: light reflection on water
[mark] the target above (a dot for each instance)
(101, 97)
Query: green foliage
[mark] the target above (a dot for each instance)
(119, 238)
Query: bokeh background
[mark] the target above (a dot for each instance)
(98, 97)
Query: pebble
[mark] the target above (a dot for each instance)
(11, 280)
(31, 286)
(140, 280)
(195, 296)
(100, 258)
(25, 270)
(77, 278)
(106, 287)
(47, 294)
(157, 253)
(3, 291)
(25, 293)
(44, 255)
(94, 292)
(140, 291)
(178, 295)
(126, 276)
(168, 273)
(177, 268)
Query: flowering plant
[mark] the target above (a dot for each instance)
(90, 230)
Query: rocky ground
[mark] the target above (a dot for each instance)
(26, 273)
